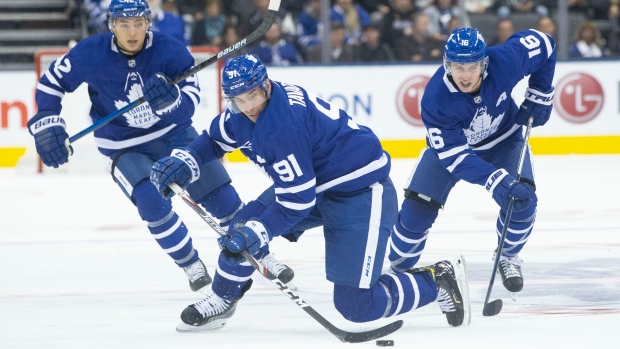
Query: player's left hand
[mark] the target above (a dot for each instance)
(536, 104)
(161, 95)
(181, 167)
(251, 237)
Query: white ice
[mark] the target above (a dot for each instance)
(78, 269)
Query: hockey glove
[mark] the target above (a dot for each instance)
(181, 167)
(536, 104)
(504, 187)
(50, 137)
(161, 95)
(251, 237)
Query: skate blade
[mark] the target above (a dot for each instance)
(291, 286)
(211, 326)
(460, 271)
(204, 291)
(513, 295)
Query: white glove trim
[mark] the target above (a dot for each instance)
(494, 179)
(260, 231)
(189, 160)
(538, 97)
(47, 122)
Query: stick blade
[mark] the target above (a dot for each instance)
(359, 337)
(493, 308)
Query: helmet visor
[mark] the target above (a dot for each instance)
(246, 101)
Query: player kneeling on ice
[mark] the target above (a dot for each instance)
(474, 133)
(328, 171)
(132, 61)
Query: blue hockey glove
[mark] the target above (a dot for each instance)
(251, 237)
(503, 187)
(162, 97)
(181, 167)
(537, 105)
(50, 137)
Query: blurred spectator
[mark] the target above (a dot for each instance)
(167, 22)
(520, 6)
(353, 16)
(209, 29)
(505, 28)
(479, 6)
(309, 26)
(371, 49)
(97, 11)
(190, 10)
(546, 25)
(397, 22)
(587, 42)
(422, 4)
(581, 6)
(256, 15)
(230, 37)
(455, 22)
(274, 50)
(420, 45)
(376, 8)
(439, 15)
(371, 6)
(341, 51)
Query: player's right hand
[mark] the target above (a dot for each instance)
(162, 96)
(181, 167)
(504, 188)
(50, 138)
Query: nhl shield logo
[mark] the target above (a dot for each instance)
(477, 99)
(132, 63)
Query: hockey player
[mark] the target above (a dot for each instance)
(132, 61)
(327, 170)
(474, 134)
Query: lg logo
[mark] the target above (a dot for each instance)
(409, 97)
(579, 97)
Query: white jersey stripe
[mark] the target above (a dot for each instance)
(374, 227)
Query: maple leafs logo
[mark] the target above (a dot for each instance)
(142, 116)
(482, 126)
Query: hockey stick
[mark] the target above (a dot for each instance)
(272, 11)
(493, 308)
(344, 336)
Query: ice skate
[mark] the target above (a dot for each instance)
(453, 297)
(198, 277)
(509, 269)
(209, 314)
(281, 271)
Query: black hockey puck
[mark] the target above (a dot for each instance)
(385, 343)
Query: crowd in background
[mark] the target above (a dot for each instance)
(361, 30)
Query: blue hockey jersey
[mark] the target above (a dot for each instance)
(114, 81)
(305, 145)
(461, 124)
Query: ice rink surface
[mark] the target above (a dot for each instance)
(78, 269)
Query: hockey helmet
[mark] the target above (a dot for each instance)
(127, 9)
(465, 45)
(240, 75)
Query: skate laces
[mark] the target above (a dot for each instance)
(445, 301)
(511, 266)
(445, 298)
(212, 305)
(273, 265)
(195, 271)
